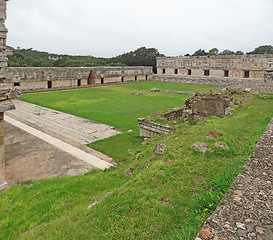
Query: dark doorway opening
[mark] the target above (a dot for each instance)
(91, 81)
(102, 81)
(49, 84)
(189, 71)
(79, 82)
(246, 74)
(146, 77)
(122, 79)
(135, 78)
(163, 71)
(16, 84)
(206, 72)
(175, 71)
(226, 73)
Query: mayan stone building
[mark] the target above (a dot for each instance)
(5, 102)
(243, 70)
(36, 78)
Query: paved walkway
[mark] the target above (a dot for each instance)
(78, 129)
(28, 157)
(42, 143)
(74, 151)
(246, 212)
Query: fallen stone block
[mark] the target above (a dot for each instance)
(160, 148)
(202, 147)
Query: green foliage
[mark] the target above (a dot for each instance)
(265, 49)
(141, 57)
(33, 58)
(214, 51)
(200, 52)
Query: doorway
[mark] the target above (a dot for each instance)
(91, 80)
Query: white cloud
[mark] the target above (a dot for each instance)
(108, 28)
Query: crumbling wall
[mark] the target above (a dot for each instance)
(174, 115)
(197, 108)
(5, 103)
(205, 105)
(151, 129)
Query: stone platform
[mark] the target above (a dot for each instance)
(42, 143)
(77, 129)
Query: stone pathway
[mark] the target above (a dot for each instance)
(74, 151)
(246, 212)
(77, 129)
(28, 157)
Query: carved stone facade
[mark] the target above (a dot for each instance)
(239, 66)
(55, 77)
(5, 102)
(254, 71)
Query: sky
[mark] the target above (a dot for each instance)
(107, 28)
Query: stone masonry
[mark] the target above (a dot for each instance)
(243, 71)
(36, 78)
(5, 102)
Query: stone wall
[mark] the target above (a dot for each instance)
(263, 62)
(5, 103)
(51, 77)
(243, 70)
(269, 77)
(151, 129)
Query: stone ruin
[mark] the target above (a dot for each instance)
(196, 108)
(201, 106)
(5, 93)
(5, 102)
(151, 129)
(268, 77)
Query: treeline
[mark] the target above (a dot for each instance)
(265, 49)
(33, 58)
(141, 57)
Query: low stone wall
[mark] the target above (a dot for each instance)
(174, 115)
(151, 129)
(56, 77)
(254, 84)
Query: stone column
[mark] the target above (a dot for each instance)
(5, 102)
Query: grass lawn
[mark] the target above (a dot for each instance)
(116, 106)
(168, 197)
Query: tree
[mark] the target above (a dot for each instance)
(239, 53)
(213, 51)
(227, 52)
(265, 49)
(141, 57)
(200, 52)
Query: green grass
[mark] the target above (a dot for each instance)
(116, 106)
(169, 196)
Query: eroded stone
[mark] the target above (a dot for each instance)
(202, 147)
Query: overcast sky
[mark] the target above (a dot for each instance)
(111, 27)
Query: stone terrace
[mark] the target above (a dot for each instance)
(77, 129)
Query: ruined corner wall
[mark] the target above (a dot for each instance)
(243, 70)
(57, 77)
(5, 102)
